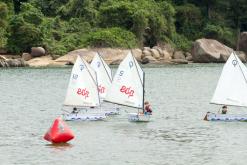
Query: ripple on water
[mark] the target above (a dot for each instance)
(32, 98)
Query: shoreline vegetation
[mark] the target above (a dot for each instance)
(50, 32)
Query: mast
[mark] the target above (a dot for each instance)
(143, 92)
(143, 85)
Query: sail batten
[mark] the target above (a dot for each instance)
(82, 89)
(232, 87)
(127, 86)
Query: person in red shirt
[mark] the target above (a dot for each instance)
(147, 108)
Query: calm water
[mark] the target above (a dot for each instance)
(31, 99)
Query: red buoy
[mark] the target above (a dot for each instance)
(59, 132)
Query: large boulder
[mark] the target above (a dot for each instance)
(111, 56)
(242, 56)
(115, 56)
(188, 56)
(243, 42)
(209, 50)
(159, 50)
(179, 55)
(155, 53)
(37, 51)
(146, 53)
(43, 61)
(16, 62)
(71, 57)
(167, 55)
(137, 53)
(9, 62)
(26, 56)
(170, 49)
(149, 59)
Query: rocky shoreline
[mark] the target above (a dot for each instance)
(203, 51)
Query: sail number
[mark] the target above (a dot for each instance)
(83, 92)
(101, 89)
(128, 91)
(81, 67)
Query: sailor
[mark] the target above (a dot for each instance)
(74, 110)
(224, 109)
(147, 108)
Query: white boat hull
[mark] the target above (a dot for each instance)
(138, 117)
(225, 117)
(113, 111)
(83, 117)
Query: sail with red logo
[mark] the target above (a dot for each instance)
(104, 78)
(128, 88)
(82, 93)
(59, 132)
(104, 74)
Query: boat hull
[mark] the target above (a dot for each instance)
(114, 111)
(83, 117)
(225, 117)
(138, 117)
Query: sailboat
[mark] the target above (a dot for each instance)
(231, 90)
(128, 88)
(82, 93)
(104, 80)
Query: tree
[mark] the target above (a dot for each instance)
(24, 29)
(237, 11)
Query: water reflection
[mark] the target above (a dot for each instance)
(60, 146)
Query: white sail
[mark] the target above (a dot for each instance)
(104, 75)
(127, 86)
(232, 85)
(82, 88)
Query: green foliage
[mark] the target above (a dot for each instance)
(3, 37)
(111, 37)
(31, 14)
(189, 21)
(3, 24)
(63, 25)
(223, 34)
(24, 33)
(181, 42)
(3, 14)
(85, 9)
(137, 16)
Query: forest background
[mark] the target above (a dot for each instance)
(61, 26)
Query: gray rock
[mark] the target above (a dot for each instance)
(243, 42)
(178, 55)
(242, 56)
(16, 63)
(208, 50)
(37, 51)
(155, 53)
(146, 53)
(26, 56)
(159, 50)
(148, 59)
